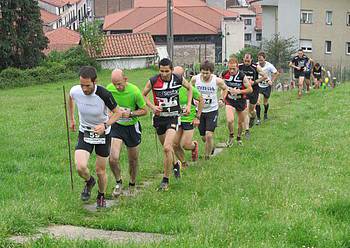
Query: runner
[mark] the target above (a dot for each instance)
(183, 138)
(239, 86)
(317, 73)
(252, 71)
(298, 63)
(127, 129)
(94, 127)
(308, 69)
(207, 83)
(265, 86)
(166, 108)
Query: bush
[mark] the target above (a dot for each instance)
(77, 57)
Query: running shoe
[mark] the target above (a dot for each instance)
(101, 202)
(265, 117)
(164, 186)
(86, 193)
(118, 189)
(195, 151)
(176, 169)
(258, 122)
(247, 134)
(229, 142)
(239, 142)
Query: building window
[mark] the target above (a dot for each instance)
(329, 17)
(258, 37)
(247, 37)
(248, 22)
(328, 46)
(348, 19)
(306, 16)
(348, 48)
(306, 45)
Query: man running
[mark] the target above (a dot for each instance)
(239, 86)
(298, 63)
(127, 129)
(183, 139)
(207, 83)
(94, 127)
(252, 71)
(317, 73)
(166, 108)
(265, 86)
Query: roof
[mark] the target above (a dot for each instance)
(62, 39)
(194, 19)
(128, 45)
(243, 11)
(48, 17)
(163, 3)
(60, 3)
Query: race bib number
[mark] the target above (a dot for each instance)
(93, 138)
(123, 119)
(207, 100)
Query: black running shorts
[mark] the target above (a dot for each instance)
(266, 91)
(239, 104)
(101, 150)
(186, 126)
(254, 96)
(208, 122)
(162, 124)
(130, 135)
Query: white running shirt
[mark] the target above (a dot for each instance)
(269, 69)
(209, 93)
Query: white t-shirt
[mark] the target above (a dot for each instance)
(208, 91)
(269, 69)
(92, 108)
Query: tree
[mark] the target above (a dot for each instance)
(280, 50)
(92, 37)
(250, 49)
(21, 34)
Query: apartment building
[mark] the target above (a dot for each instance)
(322, 28)
(71, 12)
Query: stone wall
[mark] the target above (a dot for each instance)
(193, 53)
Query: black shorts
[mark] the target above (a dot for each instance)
(130, 135)
(239, 104)
(317, 77)
(307, 74)
(208, 122)
(266, 91)
(186, 126)
(254, 96)
(162, 124)
(101, 150)
(298, 74)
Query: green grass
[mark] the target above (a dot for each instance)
(287, 187)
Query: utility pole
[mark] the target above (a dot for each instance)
(170, 33)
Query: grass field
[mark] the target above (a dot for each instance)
(286, 187)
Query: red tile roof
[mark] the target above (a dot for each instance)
(128, 45)
(48, 17)
(163, 3)
(60, 3)
(187, 19)
(62, 39)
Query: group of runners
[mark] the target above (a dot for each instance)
(108, 117)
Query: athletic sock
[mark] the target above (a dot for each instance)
(232, 135)
(90, 181)
(99, 195)
(266, 108)
(165, 180)
(258, 109)
(131, 184)
(120, 181)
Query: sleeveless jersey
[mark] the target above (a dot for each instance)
(166, 94)
(209, 93)
(317, 72)
(234, 81)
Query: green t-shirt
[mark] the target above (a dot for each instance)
(130, 98)
(183, 103)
